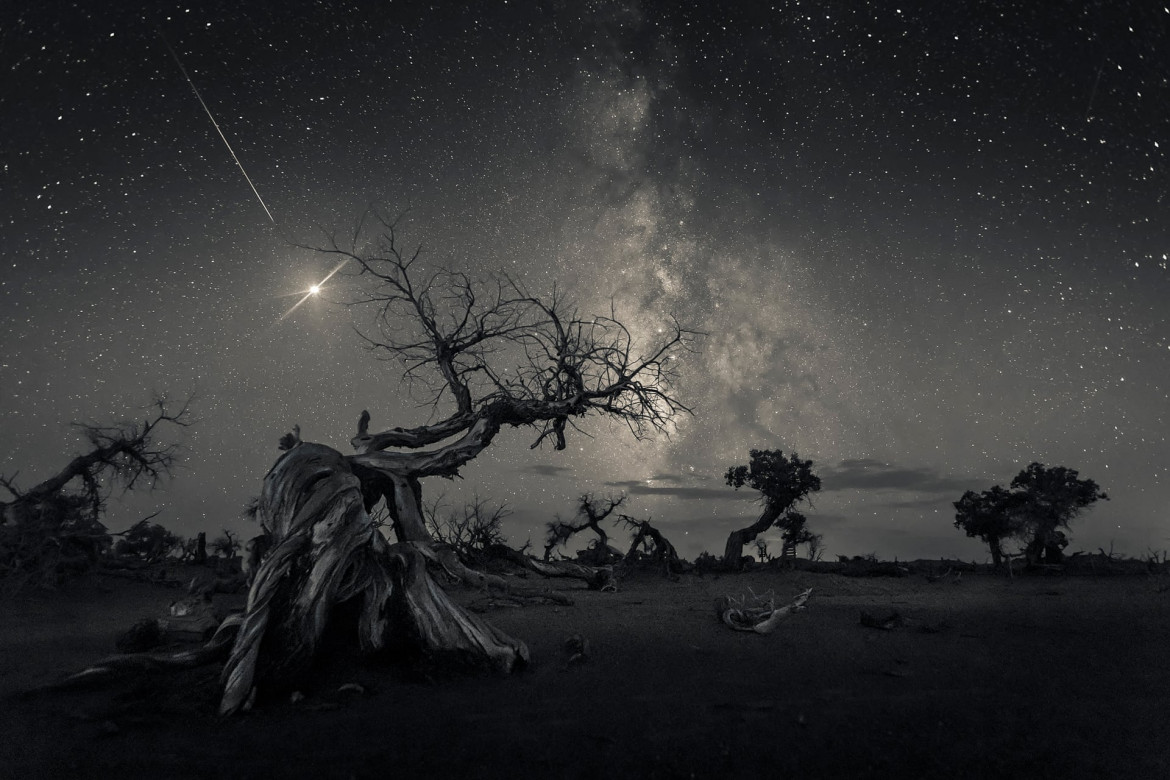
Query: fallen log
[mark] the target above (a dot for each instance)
(595, 577)
(517, 600)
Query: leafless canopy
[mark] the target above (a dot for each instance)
(128, 456)
(591, 510)
(55, 527)
(488, 352)
(470, 530)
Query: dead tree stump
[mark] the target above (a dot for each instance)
(326, 551)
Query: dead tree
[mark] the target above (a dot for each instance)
(794, 532)
(470, 531)
(325, 552)
(475, 536)
(484, 356)
(591, 511)
(657, 547)
(60, 517)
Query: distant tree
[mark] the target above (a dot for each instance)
(227, 544)
(193, 549)
(794, 532)
(993, 516)
(648, 543)
(782, 480)
(56, 525)
(591, 511)
(147, 541)
(816, 547)
(471, 531)
(1042, 501)
(1051, 497)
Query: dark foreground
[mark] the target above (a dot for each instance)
(1036, 677)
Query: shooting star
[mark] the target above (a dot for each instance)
(216, 126)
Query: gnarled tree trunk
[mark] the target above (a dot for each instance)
(733, 551)
(325, 551)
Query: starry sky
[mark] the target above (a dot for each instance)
(927, 241)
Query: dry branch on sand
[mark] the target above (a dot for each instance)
(762, 617)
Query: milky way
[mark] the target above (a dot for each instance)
(927, 244)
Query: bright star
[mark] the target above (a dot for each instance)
(314, 289)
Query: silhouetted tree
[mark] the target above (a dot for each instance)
(816, 546)
(227, 544)
(783, 482)
(1041, 502)
(649, 542)
(58, 521)
(470, 531)
(794, 532)
(993, 516)
(591, 511)
(1051, 497)
(147, 541)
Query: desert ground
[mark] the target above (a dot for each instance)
(985, 676)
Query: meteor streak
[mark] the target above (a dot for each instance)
(216, 126)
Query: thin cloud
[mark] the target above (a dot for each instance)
(868, 474)
(547, 470)
(677, 488)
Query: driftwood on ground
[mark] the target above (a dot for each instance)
(761, 615)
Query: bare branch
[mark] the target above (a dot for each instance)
(591, 511)
(55, 527)
(489, 348)
(9, 484)
(129, 455)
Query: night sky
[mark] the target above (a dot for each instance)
(928, 241)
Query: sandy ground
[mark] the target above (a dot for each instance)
(1061, 677)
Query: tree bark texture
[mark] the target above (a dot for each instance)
(326, 551)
